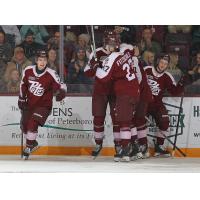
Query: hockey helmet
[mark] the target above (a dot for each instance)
(111, 39)
(160, 57)
(42, 53)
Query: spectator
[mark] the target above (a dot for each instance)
(54, 42)
(174, 65)
(127, 33)
(2, 68)
(195, 64)
(52, 59)
(3, 88)
(30, 46)
(5, 48)
(12, 34)
(195, 48)
(148, 58)
(76, 70)
(39, 32)
(71, 37)
(14, 82)
(147, 43)
(83, 42)
(69, 47)
(179, 28)
(195, 68)
(18, 62)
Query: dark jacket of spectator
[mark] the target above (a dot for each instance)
(30, 46)
(5, 48)
(76, 68)
(39, 32)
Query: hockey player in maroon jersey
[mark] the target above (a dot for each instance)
(119, 67)
(35, 100)
(159, 81)
(103, 93)
(139, 148)
(145, 98)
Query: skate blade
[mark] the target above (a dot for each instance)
(94, 157)
(117, 159)
(125, 159)
(134, 158)
(139, 155)
(145, 156)
(162, 155)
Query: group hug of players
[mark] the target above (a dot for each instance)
(132, 92)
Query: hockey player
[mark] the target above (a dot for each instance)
(103, 93)
(159, 81)
(119, 67)
(35, 100)
(139, 148)
(145, 98)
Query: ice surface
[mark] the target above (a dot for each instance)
(101, 164)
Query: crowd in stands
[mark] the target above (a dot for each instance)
(19, 44)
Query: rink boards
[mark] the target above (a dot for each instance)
(68, 130)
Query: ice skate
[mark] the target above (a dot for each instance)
(118, 150)
(125, 153)
(97, 150)
(134, 151)
(143, 152)
(160, 151)
(28, 150)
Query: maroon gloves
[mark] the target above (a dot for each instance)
(22, 103)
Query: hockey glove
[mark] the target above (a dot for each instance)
(94, 63)
(22, 103)
(60, 94)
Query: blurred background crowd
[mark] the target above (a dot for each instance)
(19, 44)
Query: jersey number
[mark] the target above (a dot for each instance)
(106, 68)
(130, 76)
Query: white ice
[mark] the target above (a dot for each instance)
(101, 164)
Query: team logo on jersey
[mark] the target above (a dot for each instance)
(36, 88)
(155, 87)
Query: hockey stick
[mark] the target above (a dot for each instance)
(22, 143)
(22, 135)
(174, 145)
(177, 126)
(93, 45)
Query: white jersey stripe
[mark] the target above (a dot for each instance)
(107, 65)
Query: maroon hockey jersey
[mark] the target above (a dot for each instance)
(38, 88)
(119, 67)
(160, 83)
(99, 87)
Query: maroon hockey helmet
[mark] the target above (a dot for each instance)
(111, 38)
